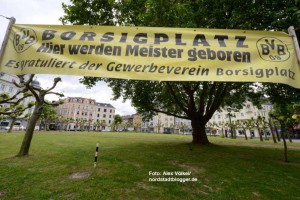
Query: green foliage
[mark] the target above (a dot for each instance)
(189, 100)
(117, 120)
(30, 104)
(4, 96)
(285, 101)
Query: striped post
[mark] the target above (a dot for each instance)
(96, 156)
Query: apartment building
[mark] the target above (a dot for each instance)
(87, 110)
(133, 122)
(249, 111)
(105, 113)
(163, 123)
(7, 86)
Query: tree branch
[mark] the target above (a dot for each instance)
(179, 103)
(191, 103)
(220, 95)
(56, 80)
(56, 93)
(11, 98)
(13, 112)
(168, 113)
(202, 98)
(29, 87)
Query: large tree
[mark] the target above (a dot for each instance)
(196, 101)
(39, 95)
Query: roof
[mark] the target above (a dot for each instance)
(104, 105)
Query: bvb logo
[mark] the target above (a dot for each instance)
(272, 49)
(24, 39)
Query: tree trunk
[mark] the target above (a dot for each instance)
(246, 138)
(260, 136)
(266, 137)
(46, 125)
(250, 135)
(289, 137)
(61, 126)
(277, 134)
(199, 134)
(12, 125)
(24, 150)
(284, 143)
(272, 132)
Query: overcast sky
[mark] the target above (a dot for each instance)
(49, 12)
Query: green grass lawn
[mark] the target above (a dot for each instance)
(229, 169)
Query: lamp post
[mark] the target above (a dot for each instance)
(229, 110)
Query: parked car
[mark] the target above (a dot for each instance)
(15, 128)
(3, 125)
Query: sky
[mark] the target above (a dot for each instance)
(49, 12)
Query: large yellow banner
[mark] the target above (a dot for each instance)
(143, 53)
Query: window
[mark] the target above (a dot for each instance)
(110, 111)
(98, 109)
(2, 87)
(109, 116)
(242, 114)
(104, 110)
(104, 115)
(109, 121)
(11, 88)
(78, 106)
(98, 115)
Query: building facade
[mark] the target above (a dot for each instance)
(86, 114)
(131, 122)
(105, 113)
(218, 124)
(162, 123)
(221, 119)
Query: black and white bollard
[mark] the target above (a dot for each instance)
(96, 156)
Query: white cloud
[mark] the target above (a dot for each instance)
(49, 12)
